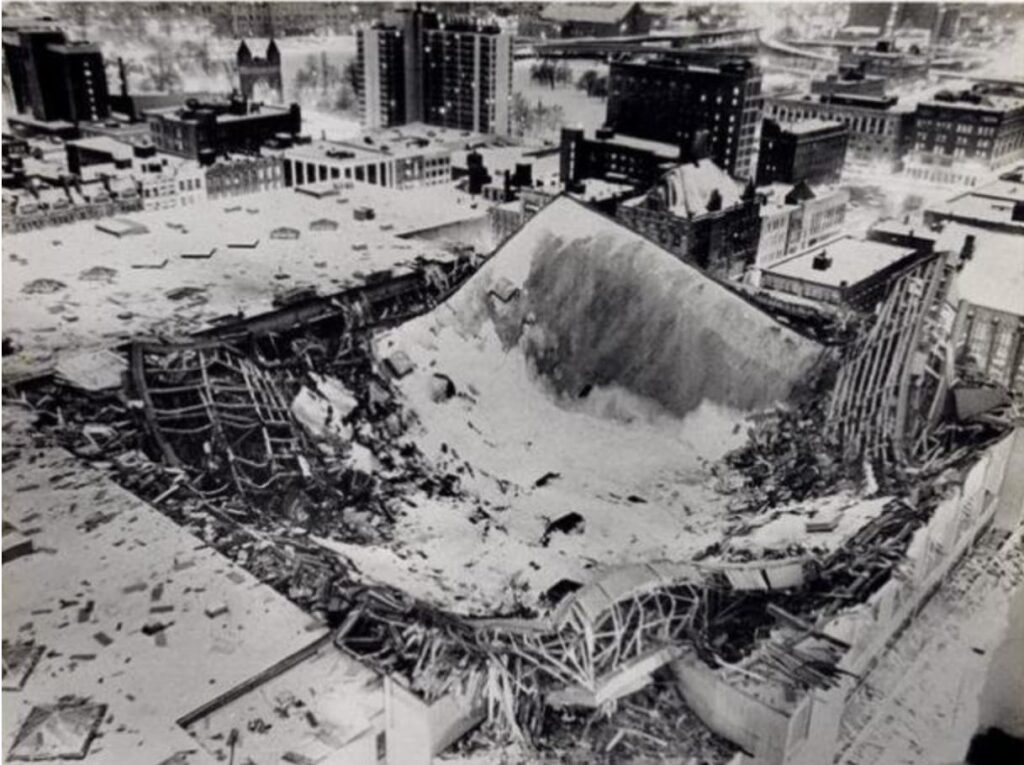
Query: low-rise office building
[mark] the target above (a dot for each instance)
(960, 138)
(807, 150)
(205, 130)
(996, 206)
(401, 159)
(239, 175)
(989, 295)
(169, 182)
(904, 234)
(881, 129)
(795, 218)
(844, 271)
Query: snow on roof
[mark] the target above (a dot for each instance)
(994, 276)
(341, 695)
(123, 566)
(591, 13)
(104, 143)
(89, 315)
(852, 261)
(981, 208)
(688, 188)
(806, 127)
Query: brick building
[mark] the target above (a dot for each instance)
(206, 129)
(960, 137)
(607, 156)
(844, 271)
(808, 150)
(700, 214)
(672, 100)
(880, 129)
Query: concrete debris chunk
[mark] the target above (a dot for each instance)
(216, 609)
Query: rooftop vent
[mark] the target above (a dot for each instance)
(821, 261)
(967, 251)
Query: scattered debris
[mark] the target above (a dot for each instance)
(570, 523)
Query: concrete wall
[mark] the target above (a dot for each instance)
(728, 711)
(808, 735)
(416, 731)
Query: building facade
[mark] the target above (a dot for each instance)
(610, 157)
(380, 57)
(409, 168)
(961, 137)
(53, 79)
(166, 183)
(881, 131)
(262, 72)
(671, 101)
(272, 19)
(206, 130)
(452, 72)
(236, 176)
(697, 212)
(794, 219)
(842, 271)
(809, 150)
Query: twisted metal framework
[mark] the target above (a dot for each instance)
(214, 413)
(891, 385)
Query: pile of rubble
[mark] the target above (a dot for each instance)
(787, 457)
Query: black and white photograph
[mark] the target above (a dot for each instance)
(513, 383)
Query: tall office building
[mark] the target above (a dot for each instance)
(451, 72)
(51, 78)
(674, 100)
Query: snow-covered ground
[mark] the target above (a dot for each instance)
(578, 109)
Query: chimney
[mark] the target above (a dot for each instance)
(821, 261)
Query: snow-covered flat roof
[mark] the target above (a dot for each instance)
(107, 571)
(852, 261)
(144, 269)
(994, 276)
